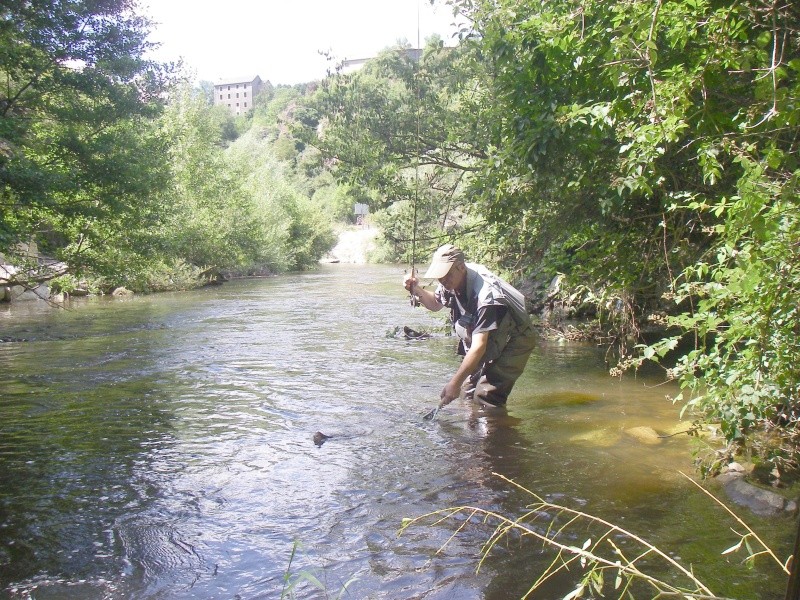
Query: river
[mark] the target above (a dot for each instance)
(161, 447)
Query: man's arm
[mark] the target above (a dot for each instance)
(470, 363)
(426, 297)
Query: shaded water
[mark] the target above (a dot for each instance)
(161, 447)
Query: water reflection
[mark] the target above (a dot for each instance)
(162, 447)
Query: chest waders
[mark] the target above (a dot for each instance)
(510, 345)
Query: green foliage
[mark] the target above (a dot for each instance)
(234, 209)
(296, 232)
(647, 151)
(333, 199)
(743, 371)
(225, 122)
(607, 560)
(403, 132)
(201, 226)
(78, 162)
(96, 175)
(270, 107)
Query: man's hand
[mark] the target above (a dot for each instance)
(449, 393)
(426, 297)
(410, 281)
(470, 363)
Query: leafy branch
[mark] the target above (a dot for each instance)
(602, 558)
(291, 580)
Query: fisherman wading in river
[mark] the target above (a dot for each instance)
(490, 319)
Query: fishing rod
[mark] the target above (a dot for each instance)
(413, 298)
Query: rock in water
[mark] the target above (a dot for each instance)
(412, 334)
(319, 438)
(645, 435)
(763, 502)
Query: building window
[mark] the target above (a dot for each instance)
(237, 105)
(237, 94)
(229, 96)
(245, 104)
(229, 87)
(245, 94)
(220, 96)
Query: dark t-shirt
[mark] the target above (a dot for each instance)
(485, 318)
(489, 317)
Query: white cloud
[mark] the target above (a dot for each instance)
(280, 40)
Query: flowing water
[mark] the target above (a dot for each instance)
(161, 447)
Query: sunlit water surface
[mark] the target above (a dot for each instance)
(161, 447)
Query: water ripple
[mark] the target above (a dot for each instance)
(162, 448)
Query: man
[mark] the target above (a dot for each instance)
(490, 319)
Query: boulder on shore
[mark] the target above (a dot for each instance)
(19, 293)
(122, 292)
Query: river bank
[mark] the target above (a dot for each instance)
(355, 245)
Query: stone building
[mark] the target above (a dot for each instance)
(237, 94)
(352, 65)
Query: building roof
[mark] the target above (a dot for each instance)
(235, 80)
(355, 63)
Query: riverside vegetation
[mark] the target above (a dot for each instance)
(126, 175)
(643, 152)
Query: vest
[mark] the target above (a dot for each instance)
(484, 288)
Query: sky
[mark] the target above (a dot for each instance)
(280, 40)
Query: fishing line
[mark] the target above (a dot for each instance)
(414, 299)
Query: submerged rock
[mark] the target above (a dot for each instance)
(413, 334)
(122, 292)
(645, 435)
(761, 501)
(319, 438)
(597, 437)
(568, 398)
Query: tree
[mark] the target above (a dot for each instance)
(207, 89)
(647, 151)
(407, 130)
(80, 167)
(295, 228)
(651, 151)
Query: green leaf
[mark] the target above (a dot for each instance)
(576, 593)
(764, 39)
(733, 548)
